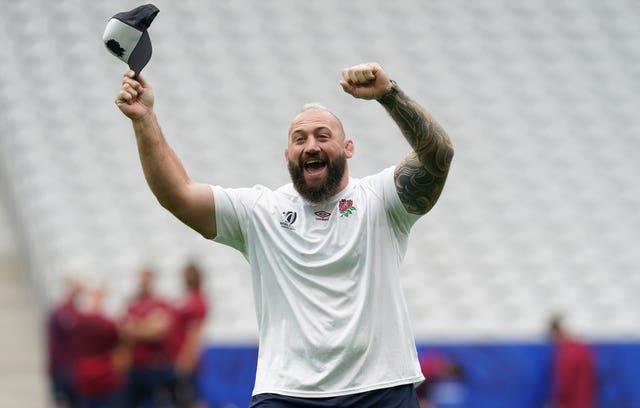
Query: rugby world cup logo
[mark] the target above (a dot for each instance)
(290, 217)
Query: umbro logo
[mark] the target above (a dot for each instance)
(290, 218)
(322, 215)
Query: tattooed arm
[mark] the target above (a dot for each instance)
(421, 175)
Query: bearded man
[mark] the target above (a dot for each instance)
(325, 251)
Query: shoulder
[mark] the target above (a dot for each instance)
(384, 175)
(287, 192)
(375, 184)
(250, 196)
(196, 304)
(285, 195)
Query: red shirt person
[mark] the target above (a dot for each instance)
(94, 341)
(183, 341)
(574, 374)
(150, 315)
(145, 327)
(60, 324)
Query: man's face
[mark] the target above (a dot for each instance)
(317, 155)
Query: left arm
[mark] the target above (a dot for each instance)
(187, 358)
(420, 176)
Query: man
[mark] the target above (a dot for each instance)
(324, 251)
(183, 338)
(144, 327)
(61, 322)
(443, 386)
(97, 381)
(574, 377)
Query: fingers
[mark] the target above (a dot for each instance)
(365, 81)
(127, 94)
(346, 85)
(142, 81)
(360, 74)
(125, 97)
(131, 74)
(131, 88)
(129, 80)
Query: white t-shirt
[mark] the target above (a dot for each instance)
(331, 312)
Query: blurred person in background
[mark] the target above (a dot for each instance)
(144, 327)
(325, 251)
(443, 386)
(573, 376)
(61, 322)
(184, 338)
(97, 381)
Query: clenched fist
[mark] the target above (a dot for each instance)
(366, 81)
(135, 98)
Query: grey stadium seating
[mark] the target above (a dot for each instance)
(541, 212)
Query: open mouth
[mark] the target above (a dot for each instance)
(314, 166)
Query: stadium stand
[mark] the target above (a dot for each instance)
(22, 378)
(540, 212)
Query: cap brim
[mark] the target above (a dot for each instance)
(141, 54)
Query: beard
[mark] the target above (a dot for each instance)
(335, 172)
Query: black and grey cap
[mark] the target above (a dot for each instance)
(126, 36)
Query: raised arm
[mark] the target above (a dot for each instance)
(419, 176)
(189, 201)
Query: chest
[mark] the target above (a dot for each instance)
(319, 239)
(317, 227)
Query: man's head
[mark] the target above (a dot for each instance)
(192, 277)
(317, 153)
(556, 328)
(95, 298)
(73, 287)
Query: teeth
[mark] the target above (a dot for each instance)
(312, 162)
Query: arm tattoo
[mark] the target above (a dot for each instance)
(420, 176)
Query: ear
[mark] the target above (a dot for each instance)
(286, 156)
(349, 148)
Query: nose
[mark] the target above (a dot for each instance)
(311, 145)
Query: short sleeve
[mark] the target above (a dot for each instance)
(400, 217)
(233, 212)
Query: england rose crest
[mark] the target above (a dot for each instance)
(346, 207)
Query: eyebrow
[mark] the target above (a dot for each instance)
(319, 128)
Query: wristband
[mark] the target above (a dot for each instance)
(389, 96)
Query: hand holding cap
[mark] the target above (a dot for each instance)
(126, 36)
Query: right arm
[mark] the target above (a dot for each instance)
(189, 201)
